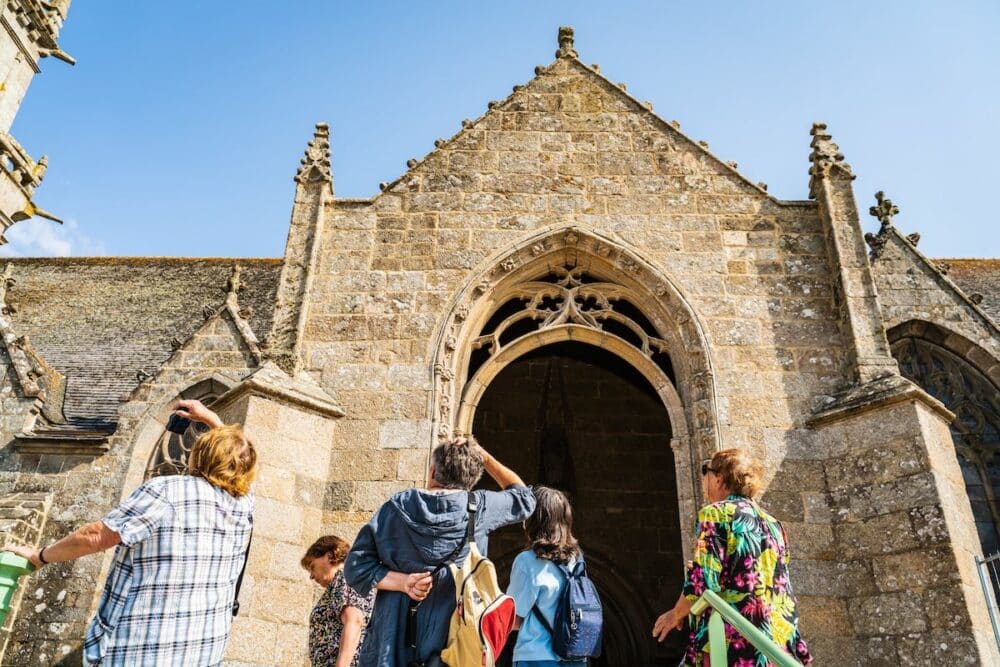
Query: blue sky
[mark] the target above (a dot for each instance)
(180, 128)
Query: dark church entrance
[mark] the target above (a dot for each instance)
(579, 418)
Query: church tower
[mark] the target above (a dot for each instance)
(30, 31)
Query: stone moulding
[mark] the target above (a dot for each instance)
(67, 440)
(875, 395)
(675, 328)
(272, 382)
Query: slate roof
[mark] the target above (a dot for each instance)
(978, 276)
(101, 320)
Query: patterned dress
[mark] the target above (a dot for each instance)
(741, 554)
(325, 626)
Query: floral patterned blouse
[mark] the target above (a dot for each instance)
(740, 553)
(325, 626)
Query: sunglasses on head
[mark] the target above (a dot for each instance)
(705, 469)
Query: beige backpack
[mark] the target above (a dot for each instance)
(484, 615)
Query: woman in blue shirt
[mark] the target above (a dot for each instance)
(537, 582)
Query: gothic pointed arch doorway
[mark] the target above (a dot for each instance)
(583, 364)
(580, 418)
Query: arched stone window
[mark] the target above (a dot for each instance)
(975, 400)
(170, 455)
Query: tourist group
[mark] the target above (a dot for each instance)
(415, 588)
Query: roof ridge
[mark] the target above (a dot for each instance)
(939, 273)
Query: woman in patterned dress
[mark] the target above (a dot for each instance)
(740, 553)
(338, 621)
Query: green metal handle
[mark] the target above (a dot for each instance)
(726, 613)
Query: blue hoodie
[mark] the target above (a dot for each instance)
(415, 532)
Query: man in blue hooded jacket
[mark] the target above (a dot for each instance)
(416, 531)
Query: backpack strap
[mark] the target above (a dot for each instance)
(243, 570)
(541, 617)
(470, 535)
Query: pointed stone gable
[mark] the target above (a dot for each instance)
(569, 131)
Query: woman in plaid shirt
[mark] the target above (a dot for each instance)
(180, 543)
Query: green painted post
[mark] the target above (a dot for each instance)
(726, 612)
(12, 567)
(717, 640)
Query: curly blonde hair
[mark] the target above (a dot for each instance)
(741, 473)
(225, 458)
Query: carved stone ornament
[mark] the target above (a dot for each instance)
(570, 296)
(825, 155)
(235, 284)
(508, 265)
(316, 163)
(537, 249)
(884, 210)
(6, 282)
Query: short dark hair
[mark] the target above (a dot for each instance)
(328, 544)
(550, 527)
(457, 464)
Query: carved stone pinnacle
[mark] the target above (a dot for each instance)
(566, 48)
(824, 156)
(315, 167)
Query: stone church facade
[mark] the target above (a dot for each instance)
(604, 303)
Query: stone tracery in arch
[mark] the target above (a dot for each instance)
(940, 363)
(571, 284)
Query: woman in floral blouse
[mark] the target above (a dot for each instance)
(337, 624)
(740, 553)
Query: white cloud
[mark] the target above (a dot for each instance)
(44, 238)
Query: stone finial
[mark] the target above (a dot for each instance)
(884, 210)
(825, 156)
(316, 163)
(566, 49)
(6, 282)
(40, 168)
(235, 284)
(976, 298)
(913, 238)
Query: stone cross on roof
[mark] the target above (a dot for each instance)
(884, 210)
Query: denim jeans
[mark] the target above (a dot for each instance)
(550, 663)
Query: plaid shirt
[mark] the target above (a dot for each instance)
(169, 595)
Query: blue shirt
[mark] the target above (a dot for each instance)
(535, 581)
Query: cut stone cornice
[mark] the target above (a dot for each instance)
(567, 57)
(272, 382)
(875, 395)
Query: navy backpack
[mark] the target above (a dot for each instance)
(579, 621)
